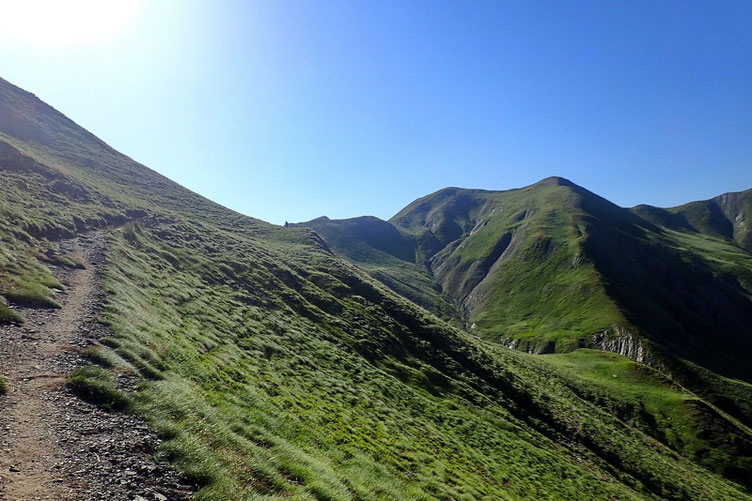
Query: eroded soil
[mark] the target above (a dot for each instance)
(53, 445)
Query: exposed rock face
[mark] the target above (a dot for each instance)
(621, 341)
(528, 346)
(615, 339)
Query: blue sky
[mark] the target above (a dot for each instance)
(287, 110)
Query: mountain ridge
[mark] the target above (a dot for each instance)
(270, 367)
(636, 286)
(726, 215)
(448, 236)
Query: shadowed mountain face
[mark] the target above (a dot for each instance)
(367, 233)
(389, 254)
(514, 260)
(552, 267)
(727, 216)
(274, 368)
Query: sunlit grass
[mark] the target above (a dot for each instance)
(274, 370)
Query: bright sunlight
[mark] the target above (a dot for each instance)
(54, 23)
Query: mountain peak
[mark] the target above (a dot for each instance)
(556, 181)
(241, 337)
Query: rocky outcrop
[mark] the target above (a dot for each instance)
(621, 341)
(529, 346)
(615, 339)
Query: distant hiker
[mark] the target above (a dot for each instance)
(287, 225)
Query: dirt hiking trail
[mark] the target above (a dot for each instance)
(53, 445)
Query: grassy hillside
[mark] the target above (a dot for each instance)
(727, 216)
(519, 269)
(689, 295)
(661, 407)
(274, 369)
(554, 264)
(390, 255)
(492, 253)
(331, 387)
(553, 267)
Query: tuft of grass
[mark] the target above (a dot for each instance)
(34, 296)
(97, 385)
(67, 261)
(3, 386)
(8, 316)
(101, 357)
(33, 288)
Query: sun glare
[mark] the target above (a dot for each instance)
(58, 23)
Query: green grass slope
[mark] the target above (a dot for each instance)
(322, 384)
(689, 295)
(388, 254)
(517, 266)
(492, 253)
(274, 369)
(513, 261)
(553, 267)
(727, 216)
(674, 416)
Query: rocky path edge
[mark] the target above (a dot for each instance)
(53, 445)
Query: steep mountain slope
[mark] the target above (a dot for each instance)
(514, 260)
(552, 267)
(390, 255)
(493, 252)
(727, 216)
(554, 263)
(273, 369)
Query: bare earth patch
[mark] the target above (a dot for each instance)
(53, 445)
